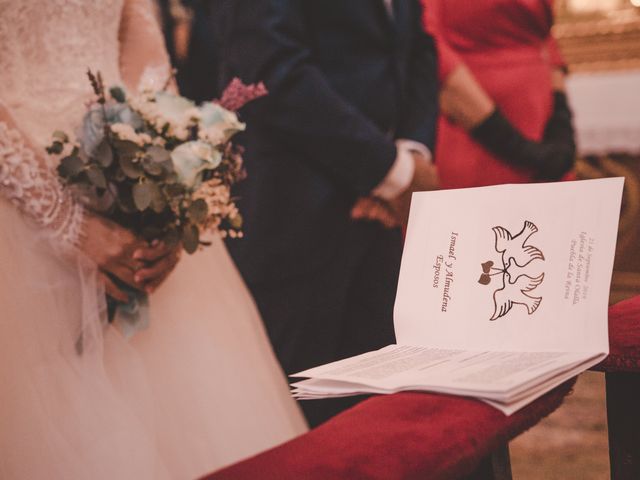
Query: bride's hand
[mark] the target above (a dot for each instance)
(159, 260)
(112, 247)
(112, 289)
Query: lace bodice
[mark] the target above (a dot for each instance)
(46, 47)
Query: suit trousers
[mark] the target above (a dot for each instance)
(342, 309)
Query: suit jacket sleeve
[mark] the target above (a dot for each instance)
(265, 41)
(420, 111)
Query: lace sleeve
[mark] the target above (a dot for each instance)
(143, 56)
(28, 182)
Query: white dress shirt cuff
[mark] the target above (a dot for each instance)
(401, 173)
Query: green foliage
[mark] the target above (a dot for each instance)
(198, 211)
(118, 94)
(60, 136)
(70, 166)
(136, 185)
(104, 154)
(143, 194)
(191, 238)
(55, 148)
(236, 222)
(131, 167)
(96, 176)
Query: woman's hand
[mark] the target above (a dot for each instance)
(159, 261)
(119, 252)
(112, 289)
(112, 248)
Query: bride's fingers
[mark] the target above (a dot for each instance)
(112, 290)
(153, 252)
(123, 272)
(150, 278)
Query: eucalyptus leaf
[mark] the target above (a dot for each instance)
(236, 222)
(158, 201)
(191, 239)
(55, 148)
(104, 154)
(158, 205)
(118, 94)
(96, 177)
(143, 195)
(131, 169)
(198, 210)
(70, 167)
(126, 149)
(158, 154)
(151, 167)
(80, 152)
(60, 136)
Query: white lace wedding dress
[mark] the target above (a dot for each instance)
(200, 388)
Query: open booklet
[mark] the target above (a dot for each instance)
(502, 296)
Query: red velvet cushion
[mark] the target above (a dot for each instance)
(402, 436)
(624, 338)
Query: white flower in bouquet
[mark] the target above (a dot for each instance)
(218, 124)
(220, 205)
(191, 159)
(193, 115)
(126, 132)
(174, 108)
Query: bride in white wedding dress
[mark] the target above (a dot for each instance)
(197, 390)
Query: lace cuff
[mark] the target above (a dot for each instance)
(35, 190)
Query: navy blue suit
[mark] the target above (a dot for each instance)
(198, 73)
(344, 80)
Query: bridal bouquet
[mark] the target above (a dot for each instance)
(157, 163)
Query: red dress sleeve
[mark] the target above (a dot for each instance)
(555, 55)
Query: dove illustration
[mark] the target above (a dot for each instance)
(516, 293)
(514, 248)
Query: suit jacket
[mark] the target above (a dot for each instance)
(344, 80)
(198, 73)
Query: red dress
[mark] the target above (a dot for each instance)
(508, 47)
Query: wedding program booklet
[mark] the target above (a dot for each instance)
(502, 296)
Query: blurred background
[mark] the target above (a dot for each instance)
(600, 40)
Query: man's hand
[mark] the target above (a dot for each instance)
(395, 212)
(375, 210)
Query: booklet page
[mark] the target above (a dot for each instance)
(493, 375)
(512, 267)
